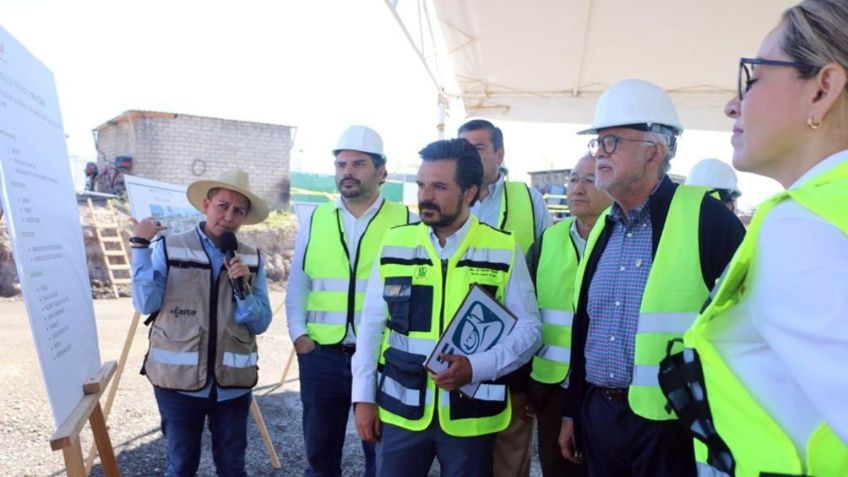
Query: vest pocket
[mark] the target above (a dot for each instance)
(240, 351)
(173, 360)
(403, 384)
(410, 306)
(494, 403)
(397, 292)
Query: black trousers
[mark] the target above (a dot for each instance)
(618, 443)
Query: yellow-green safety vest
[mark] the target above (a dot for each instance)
(555, 275)
(755, 439)
(673, 296)
(337, 288)
(517, 214)
(422, 294)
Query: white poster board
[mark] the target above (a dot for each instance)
(44, 225)
(167, 202)
(479, 324)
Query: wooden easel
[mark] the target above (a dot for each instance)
(88, 409)
(289, 361)
(254, 406)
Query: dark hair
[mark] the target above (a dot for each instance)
(469, 167)
(495, 134)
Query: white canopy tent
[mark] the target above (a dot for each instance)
(548, 60)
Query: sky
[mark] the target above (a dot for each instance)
(318, 65)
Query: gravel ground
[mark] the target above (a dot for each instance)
(26, 423)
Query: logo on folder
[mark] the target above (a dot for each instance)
(478, 329)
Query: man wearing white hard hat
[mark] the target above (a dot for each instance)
(334, 253)
(647, 270)
(719, 178)
(208, 299)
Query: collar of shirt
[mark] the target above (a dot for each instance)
(488, 210)
(452, 241)
(216, 258)
(579, 242)
(637, 215)
(828, 163)
(496, 186)
(368, 212)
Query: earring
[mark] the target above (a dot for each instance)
(813, 124)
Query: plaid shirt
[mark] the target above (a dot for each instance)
(615, 297)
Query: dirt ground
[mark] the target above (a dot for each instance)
(26, 423)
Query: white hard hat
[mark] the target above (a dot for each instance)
(634, 102)
(362, 139)
(714, 174)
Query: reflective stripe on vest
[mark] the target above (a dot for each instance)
(337, 283)
(410, 397)
(555, 275)
(674, 293)
(756, 440)
(412, 269)
(517, 214)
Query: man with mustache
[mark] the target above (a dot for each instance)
(424, 273)
(514, 207)
(647, 270)
(334, 253)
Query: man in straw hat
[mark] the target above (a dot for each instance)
(202, 356)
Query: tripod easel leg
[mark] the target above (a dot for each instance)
(73, 459)
(113, 389)
(263, 431)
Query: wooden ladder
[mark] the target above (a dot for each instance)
(112, 246)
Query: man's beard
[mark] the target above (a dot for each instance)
(443, 220)
(351, 193)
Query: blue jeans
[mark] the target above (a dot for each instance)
(325, 383)
(182, 424)
(410, 453)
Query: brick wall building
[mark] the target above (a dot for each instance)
(180, 149)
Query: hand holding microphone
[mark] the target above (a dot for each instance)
(236, 269)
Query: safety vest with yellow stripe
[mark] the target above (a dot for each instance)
(337, 288)
(517, 214)
(555, 275)
(193, 310)
(757, 442)
(422, 294)
(673, 296)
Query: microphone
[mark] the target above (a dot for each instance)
(228, 245)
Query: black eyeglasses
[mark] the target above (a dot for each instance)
(744, 81)
(610, 142)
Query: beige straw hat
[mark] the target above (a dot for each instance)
(234, 180)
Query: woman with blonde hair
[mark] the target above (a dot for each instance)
(772, 398)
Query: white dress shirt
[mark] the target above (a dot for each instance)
(488, 210)
(299, 284)
(579, 242)
(515, 350)
(787, 340)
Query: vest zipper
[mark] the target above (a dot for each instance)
(442, 309)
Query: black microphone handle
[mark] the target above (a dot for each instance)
(238, 283)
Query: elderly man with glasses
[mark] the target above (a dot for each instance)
(646, 271)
